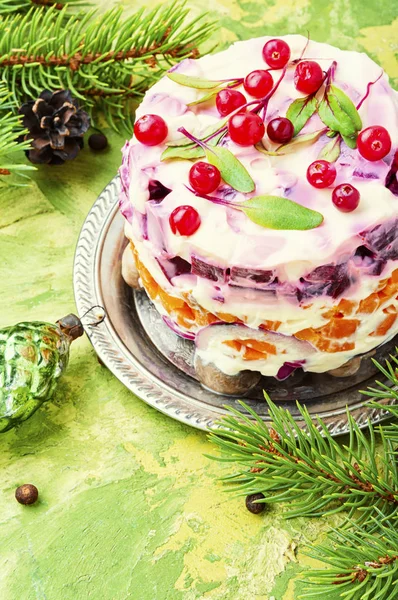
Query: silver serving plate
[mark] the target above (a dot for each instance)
(157, 365)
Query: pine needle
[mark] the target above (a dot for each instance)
(387, 391)
(23, 6)
(315, 476)
(308, 469)
(362, 563)
(10, 131)
(106, 61)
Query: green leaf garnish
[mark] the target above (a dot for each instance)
(338, 112)
(184, 148)
(194, 82)
(189, 150)
(231, 169)
(299, 140)
(300, 111)
(347, 105)
(331, 151)
(204, 98)
(275, 212)
(350, 141)
(263, 150)
(332, 134)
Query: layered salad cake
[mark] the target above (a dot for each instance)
(260, 200)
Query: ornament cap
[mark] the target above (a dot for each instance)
(71, 326)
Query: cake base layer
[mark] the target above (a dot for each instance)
(350, 328)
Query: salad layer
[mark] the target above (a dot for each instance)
(332, 289)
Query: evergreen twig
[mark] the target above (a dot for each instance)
(306, 468)
(23, 6)
(314, 474)
(390, 371)
(362, 564)
(103, 60)
(10, 131)
(389, 390)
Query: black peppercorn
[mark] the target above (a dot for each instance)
(27, 494)
(253, 506)
(97, 141)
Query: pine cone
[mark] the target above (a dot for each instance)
(56, 127)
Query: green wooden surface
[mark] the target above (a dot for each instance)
(129, 507)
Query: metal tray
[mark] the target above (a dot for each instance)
(156, 364)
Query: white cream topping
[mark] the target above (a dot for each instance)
(254, 246)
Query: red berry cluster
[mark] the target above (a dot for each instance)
(204, 179)
(321, 174)
(247, 128)
(374, 143)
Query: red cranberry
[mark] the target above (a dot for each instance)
(258, 83)
(184, 220)
(345, 197)
(204, 178)
(308, 77)
(246, 129)
(321, 174)
(374, 142)
(150, 130)
(280, 130)
(276, 54)
(229, 100)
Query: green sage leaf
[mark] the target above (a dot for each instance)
(348, 106)
(338, 112)
(327, 116)
(189, 150)
(231, 169)
(194, 82)
(184, 148)
(263, 150)
(299, 140)
(275, 212)
(331, 151)
(300, 111)
(351, 141)
(204, 98)
(184, 141)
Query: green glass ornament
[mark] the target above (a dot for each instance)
(33, 355)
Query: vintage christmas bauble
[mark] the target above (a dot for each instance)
(33, 355)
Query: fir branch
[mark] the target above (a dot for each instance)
(10, 132)
(307, 469)
(390, 431)
(387, 391)
(23, 6)
(99, 58)
(362, 564)
(390, 371)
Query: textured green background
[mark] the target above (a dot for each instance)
(129, 507)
